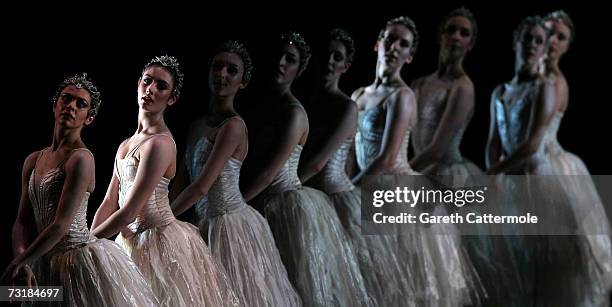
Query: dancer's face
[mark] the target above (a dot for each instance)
(337, 62)
(456, 37)
(560, 35)
(155, 89)
(288, 64)
(72, 107)
(394, 48)
(225, 74)
(532, 45)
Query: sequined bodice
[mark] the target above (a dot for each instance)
(431, 108)
(333, 178)
(224, 194)
(195, 158)
(45, 198)
(515, 116)
(156, 212)
(287, 178)
(368, 140)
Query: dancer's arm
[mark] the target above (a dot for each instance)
(156, 156)
(229, 137)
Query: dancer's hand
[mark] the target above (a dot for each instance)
(26, 277)
(18, 271)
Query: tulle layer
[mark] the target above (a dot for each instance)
(178, 265)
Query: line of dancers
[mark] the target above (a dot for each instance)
(288, 231)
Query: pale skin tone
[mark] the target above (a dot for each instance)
(559, 41)
(229, 140)
(334, 107)
(289, 120)
(156, 156)
(456, 41)
(71, 112)
(530, 51)
(394, 50)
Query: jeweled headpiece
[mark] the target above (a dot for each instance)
(237, 47)
(409, 24)
(82, 81)
(171, 64)
(294, 38)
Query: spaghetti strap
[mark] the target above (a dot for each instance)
(246, 131)
(360, 93)
(225, 120)
(61, 164)
(383, 102)
(40, 153)
(171, 139)
(299, 105)
(135, 149)
(83, 148)
(214, 136)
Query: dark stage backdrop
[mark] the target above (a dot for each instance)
(113, 45)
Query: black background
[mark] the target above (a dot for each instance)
(113, 44)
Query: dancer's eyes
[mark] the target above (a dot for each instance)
(539, 40)
(464, 32)
(82, 103)
(290, 58)
(232, 69)
(391, 38)
(162, 85)
(535, 39)
(338, 56)
(66, 98)
(561, 37)
(217, 66)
